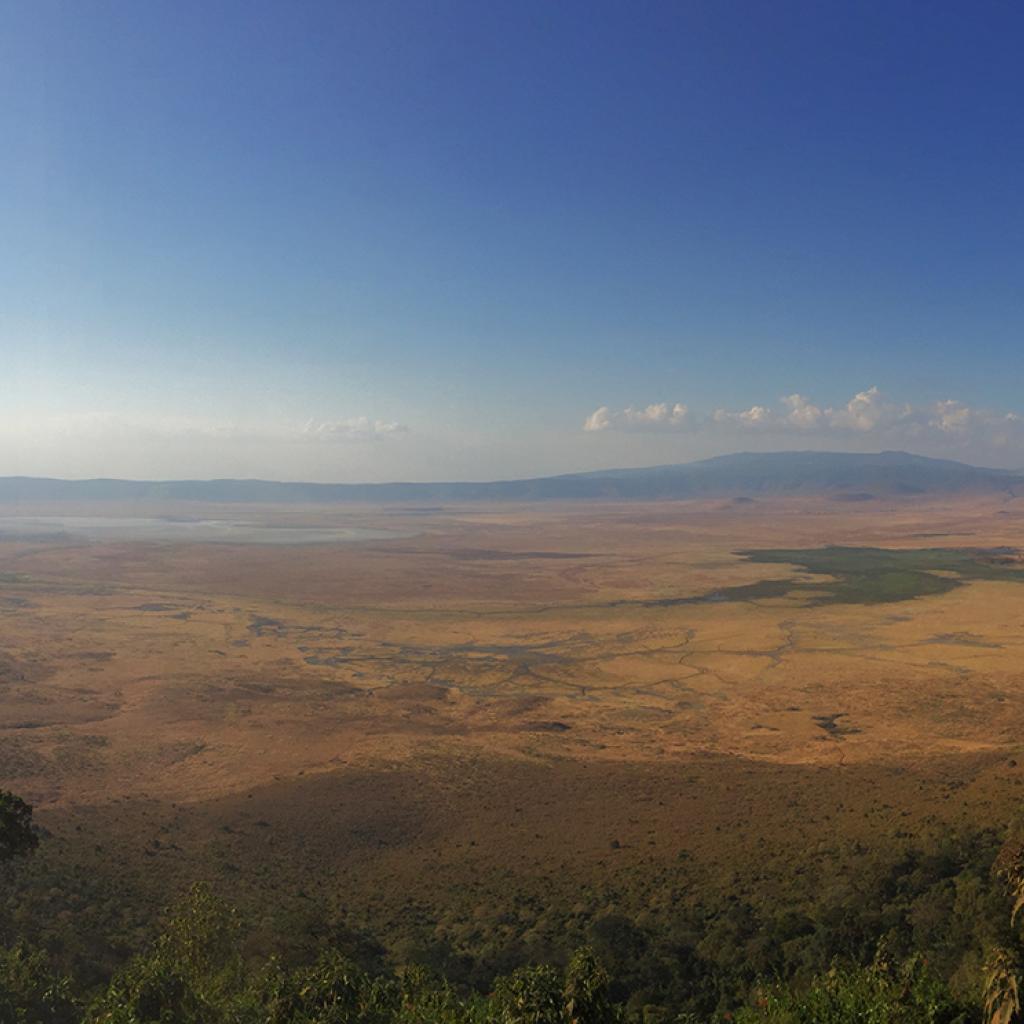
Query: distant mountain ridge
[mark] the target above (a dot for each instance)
(853, 476)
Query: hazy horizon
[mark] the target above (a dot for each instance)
(582, 472)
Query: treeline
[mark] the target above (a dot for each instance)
(196, 974)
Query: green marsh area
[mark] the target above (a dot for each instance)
(876, 575)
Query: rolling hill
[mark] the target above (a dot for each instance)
(844, 475)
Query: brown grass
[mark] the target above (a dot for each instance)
(432, 716)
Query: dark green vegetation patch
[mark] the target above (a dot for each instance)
(862, 575)
(878, 575)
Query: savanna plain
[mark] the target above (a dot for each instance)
(477, 736)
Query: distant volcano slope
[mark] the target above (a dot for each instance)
(844, 475)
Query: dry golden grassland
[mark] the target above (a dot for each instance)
(567, 694)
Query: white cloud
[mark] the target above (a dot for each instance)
(868, 411)
(358, 428)
(953, 416)
(869, 414)
(97, 426)
(660, 416)
(802, 412)
(755, 416)
(599, 419)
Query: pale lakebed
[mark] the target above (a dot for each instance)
(182, 530)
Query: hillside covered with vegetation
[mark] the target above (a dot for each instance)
(930, 939)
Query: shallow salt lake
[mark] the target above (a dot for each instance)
(182, 530)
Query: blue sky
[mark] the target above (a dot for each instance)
(382, 240)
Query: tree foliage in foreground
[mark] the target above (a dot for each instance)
(879, 994)
(196, 974)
